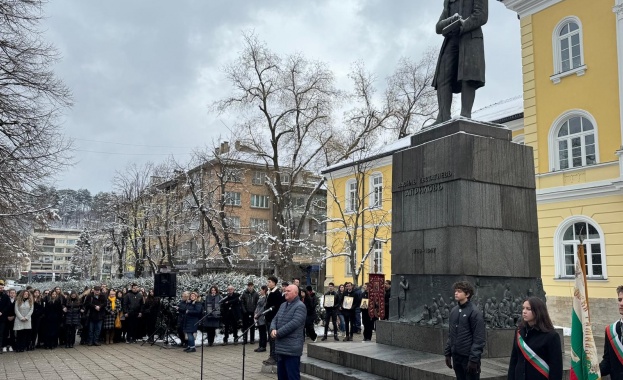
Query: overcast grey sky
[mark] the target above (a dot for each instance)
(144, 72)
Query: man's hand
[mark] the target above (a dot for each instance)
(97, 308)
(127, 315)
(273, 334)
(10, 318)
(449, 362)
(140, 315)
(472, 367)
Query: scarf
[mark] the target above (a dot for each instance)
(112, 303)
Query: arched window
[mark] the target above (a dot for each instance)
(568, 48)
(567, 241)
(376, 190)
(573, 141)
(351, 195)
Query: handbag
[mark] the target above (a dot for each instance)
(118, 322)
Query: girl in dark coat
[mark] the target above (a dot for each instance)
(212, 307)
(73, 313)
(194, 309)
(150, 314)
(119, 331)
(537, 352)
(53, 311)
(310, 305)
(37, 316)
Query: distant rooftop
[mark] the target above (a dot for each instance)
(501, 112)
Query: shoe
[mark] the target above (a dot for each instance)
(186, 349)
(314, 340)
(345, 339)
(96, 344)
(350, 338)
(252, 342)
(324, 338)
(270, 361)
(10, 349)
(224, 343)
(4, 349)
(210, 344)
(90, 344)
(191, 349)
(260, 349)
(336, 338)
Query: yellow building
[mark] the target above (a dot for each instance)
(572, 53)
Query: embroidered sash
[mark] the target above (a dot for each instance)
(532, 358)
(617, 346)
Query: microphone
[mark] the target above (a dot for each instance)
(267, 310)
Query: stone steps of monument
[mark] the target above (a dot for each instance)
(320, 369)
(388, 362)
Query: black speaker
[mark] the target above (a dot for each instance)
(165, 285)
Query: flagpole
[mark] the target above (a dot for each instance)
(580, 253)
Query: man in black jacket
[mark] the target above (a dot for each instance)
(132, 308)
(248, 303)
(274, 299)
(466, 338)
(332, 298)
(95, 306)
(611, 364)
(351, 300)
(5, 304)
(230, 309)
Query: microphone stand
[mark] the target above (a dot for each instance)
(202, 337)
(244, 344)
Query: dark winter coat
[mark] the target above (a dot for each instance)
(274, 299)
(289, 323)
(230, 307)
(610, 364)
(90, 304)
(53, 315)
(73, 315)
(546, 345)
(181, 314)
(5, 305)
(310, 306)
(471, 65)
(151, 307)
(212, 309)
(466, 336)
(248, 301)
(194, 310)
(133, 303)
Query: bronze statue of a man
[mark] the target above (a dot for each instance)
(461, 63)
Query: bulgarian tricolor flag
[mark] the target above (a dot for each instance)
(584, 360)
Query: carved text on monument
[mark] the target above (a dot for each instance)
(430, 178)
(421, 251)
(423, 190)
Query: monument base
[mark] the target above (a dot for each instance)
(357, 361)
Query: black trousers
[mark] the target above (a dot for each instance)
(350, 321)
(132, 321)
(271, 341)
(70, 335)
(211, 331)
(248, 320)
(330, 315)
(231, 327)
(459, 363)
(262, 333)
(368, 324)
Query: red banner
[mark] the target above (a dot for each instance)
(376, 295)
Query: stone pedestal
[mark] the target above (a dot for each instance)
(464, 208)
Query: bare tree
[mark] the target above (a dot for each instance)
(410, 96)
(287, 103)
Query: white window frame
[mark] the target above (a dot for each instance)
(234, 223)
(559, 251)
(376, 254)
(260, 201)
(258, 224)
(552, 139)
(259, 178)
(233, 198)
(376, 190)
(580, 70)
(351, 195)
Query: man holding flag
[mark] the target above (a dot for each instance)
(584, 365)
(612, 363)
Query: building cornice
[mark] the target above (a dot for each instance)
(581, 191)
(348, 170)
(528, 7)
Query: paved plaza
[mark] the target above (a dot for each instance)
(132, 361)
